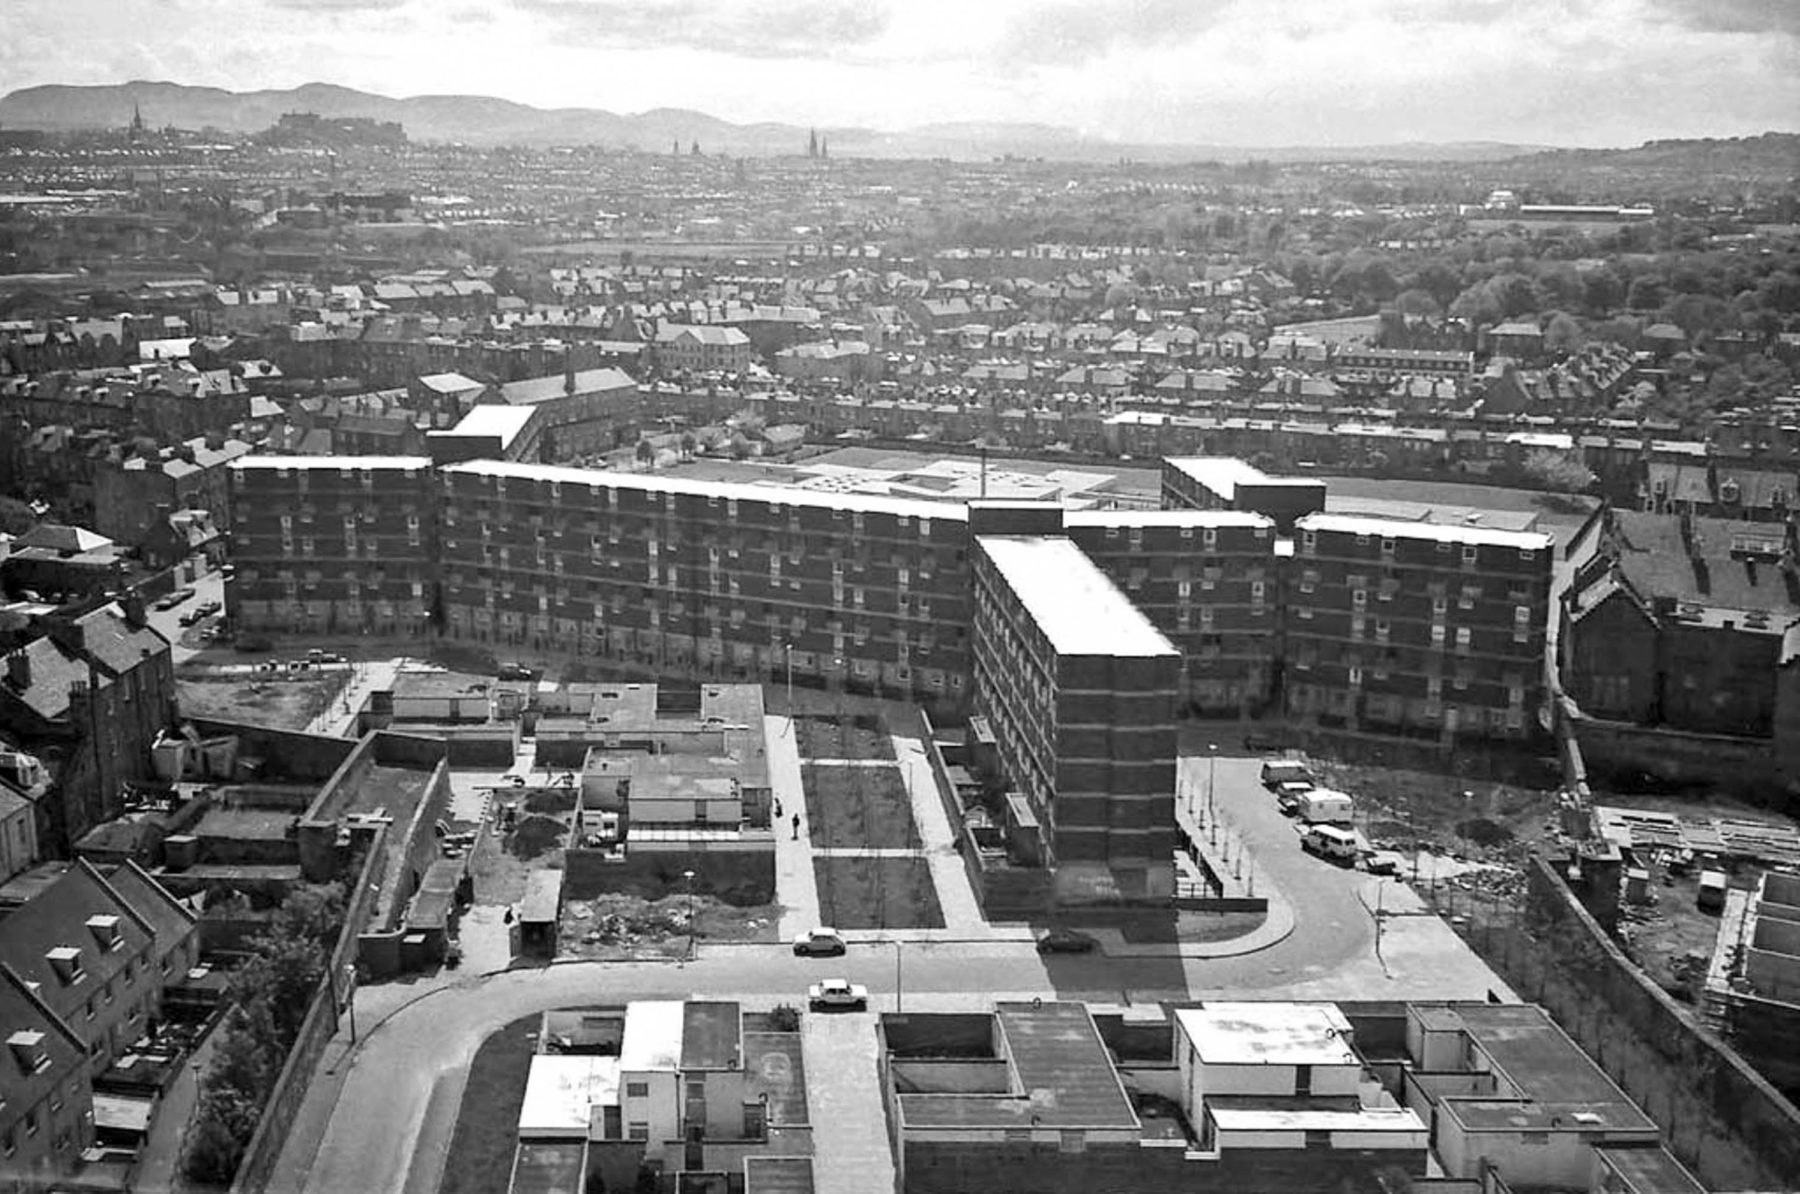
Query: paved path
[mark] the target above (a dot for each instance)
(339, 717)
(843, 1099)
(795, 884)
(962, 911)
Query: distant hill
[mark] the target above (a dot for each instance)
(484, 120)
(1770, 156)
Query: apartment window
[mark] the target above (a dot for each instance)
(1468, 553)
(1362, 539)
(1440, 606)
(1112, 532)
(1359, 598)
(1462, 638)
(1309, 580)
(1387, 546)
(1443, 547)
(1467, 598)
(1309, 542)
(638, 1131)
(1526, 553)
(1209, 538)
(1257, 591)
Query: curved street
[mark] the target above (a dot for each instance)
(380, 1114)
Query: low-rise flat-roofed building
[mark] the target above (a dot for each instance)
(1081, 690)
(1504, 1086)
(1035, 1097)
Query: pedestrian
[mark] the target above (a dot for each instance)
(796, 826)
(778, 808)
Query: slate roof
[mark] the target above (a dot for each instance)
(1654, 559)
(114, 643)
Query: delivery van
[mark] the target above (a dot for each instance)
(1332, 842)
(1711, 895)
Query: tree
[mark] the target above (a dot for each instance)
(16, 517)
(1562, 333)
(646, 455)
(1558, 472)
(1417, 302)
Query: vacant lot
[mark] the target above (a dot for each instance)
(481, 1150)
(850, 807)
(616, 926)
(861, 736)
(278, 703)
(877, 893)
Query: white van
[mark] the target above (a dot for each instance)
(1331, 842)
(1280, 772)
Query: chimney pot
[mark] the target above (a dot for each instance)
(18, 670)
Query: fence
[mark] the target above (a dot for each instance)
(1717, 1115)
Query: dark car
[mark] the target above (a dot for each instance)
(516, 671)
(1066, 941)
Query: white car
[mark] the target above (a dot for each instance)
(837, 992)
(819, 943)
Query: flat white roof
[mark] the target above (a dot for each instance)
(1079, 610)
(653, 1030)
(1166, 518)
(332, 462)
(773, 494)
(1221, 474)
(1368, 1119)
(1433, 531)
(560, 1091)
(503, 422)
(1268, 1033)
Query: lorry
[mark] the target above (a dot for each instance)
(1325, 806)
(1276, 772)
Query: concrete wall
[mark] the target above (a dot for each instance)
(1752, 767)
(286, 754)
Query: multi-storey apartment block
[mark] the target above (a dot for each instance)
(1227, 483)
(333, 544)
(1207, 580)
(665, 575)
(1416, 626)
(1081, 691)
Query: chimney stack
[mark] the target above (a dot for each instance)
(18, 670)
(569, 370)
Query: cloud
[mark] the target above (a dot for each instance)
(1731, 16)
(339, 6)
(1071, 32)
(742, 28)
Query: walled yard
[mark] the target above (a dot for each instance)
(858, 807)
(858, 736)
(619, 927)
(268, 699)
(864, 892)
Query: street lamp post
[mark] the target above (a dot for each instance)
(689, 876)
(787, 650)
(1212, 760)
(899, 988)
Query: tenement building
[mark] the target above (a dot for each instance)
(665, 575)
(1081, 691)
(1417, 626)
(333, 544)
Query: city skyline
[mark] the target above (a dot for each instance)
(1225, 72)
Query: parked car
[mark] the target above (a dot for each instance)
(837, 993)
(1066, 941)
(192, 617)
(319, 656)
(516, 671)
(207, 609)
(173, 599)
(819, 943)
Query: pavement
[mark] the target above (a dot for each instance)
(851, 1156)
(339, 717)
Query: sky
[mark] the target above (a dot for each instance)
(1229, 72)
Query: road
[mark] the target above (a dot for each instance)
(208, 585)
(380, 1118)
